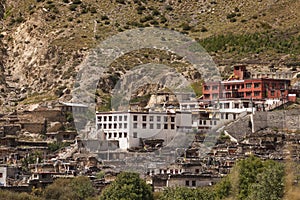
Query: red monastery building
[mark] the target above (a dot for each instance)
(241, 86)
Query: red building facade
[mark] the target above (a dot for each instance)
(262, 88)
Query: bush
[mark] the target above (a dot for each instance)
(121, 1)
(233, 20)
(146, 18)
(140, 9)
(127, 186)
(168, 8)
(186, 27)
(104, 17)
(203, 29)
(231, 15)
(155, 13)
(73, 7)
(77, 2)
(93, 10)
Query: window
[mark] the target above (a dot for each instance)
(197, 171)
(215, 87)
(256, 93)
(158, 118)
(226, 105)
(210, 122)
(110, 118)
(165, 118)
(120, 125)
(272, 93)
(115, 125)
(172, 126)
(158, 126)
(193, 183)
(151, 118)
(256, 85)
(165, 126)
(144, 118)
(109, 126)
(172, 119)
(125, 135)
(134, 125)
(236, 105)
(151, 126)
(115, 135)
(125, 125)
(248, 85)
(135, 118)
(187, 183)
(120, 135)
(215, 96)
(248, 94)
(109, 135)
(125, 118)
(104, 126)
(120, 118)
(99, 118)
(215, 123)
(206, 87)
(115, 118)
(144, 125)
(105, 118)
(134, 134)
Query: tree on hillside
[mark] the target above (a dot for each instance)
(78, 188)
(127, 186)
(248, 169)
(270, 183)
(260, 180)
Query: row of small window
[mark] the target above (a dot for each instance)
(237, 86)
(226, 116)
(116, 135)
(203, 122)
(151, 126)
(112, 118)
(228, 95)
(115, 126)
(190, 183)
(151, 118)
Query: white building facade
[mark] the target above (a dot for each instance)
(128, 128)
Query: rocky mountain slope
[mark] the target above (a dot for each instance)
(43, 42)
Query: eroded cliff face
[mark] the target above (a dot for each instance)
(3, 86)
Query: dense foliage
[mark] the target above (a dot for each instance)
(253, 43)
(78, 188)
(127, 186)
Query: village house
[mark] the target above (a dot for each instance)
(240, 85)
(128, 128)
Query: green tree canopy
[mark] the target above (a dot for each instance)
(78, 188)
(260, 180)
(127, 186)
